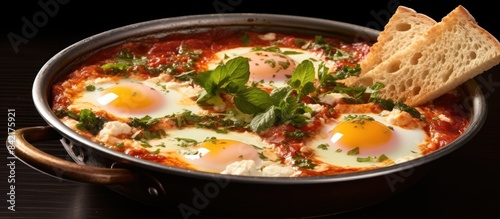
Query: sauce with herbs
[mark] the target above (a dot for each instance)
(286, 122)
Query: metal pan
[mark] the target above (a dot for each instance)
(197, 193)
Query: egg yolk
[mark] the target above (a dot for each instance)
(130, 98)
(269, 66)
(368, 135)
(215, 155)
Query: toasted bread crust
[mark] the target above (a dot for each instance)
(401, 30)
(451, 52)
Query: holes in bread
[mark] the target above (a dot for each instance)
(472, 55)
(409, 82)
(424, 74)
(403, 27)
(401, 87)
(442, 58)
(394, 66)
(415, 91)
(477, 46)
(446, 76)
(414, 59)
(391, 89)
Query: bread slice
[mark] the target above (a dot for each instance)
(451, 52)
(404, 26)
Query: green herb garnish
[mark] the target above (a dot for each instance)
(88, 121)
(360, 119)
(302, 162)
(353, 151)
(144, 122)
(90, 87)
(323, 146)
(186, 142)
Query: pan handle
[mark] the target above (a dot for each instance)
(18, 144)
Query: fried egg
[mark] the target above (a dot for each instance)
(125, 98)
(269, 68)
(366, 140)
(208, 150)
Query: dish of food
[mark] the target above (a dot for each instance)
(248, 103)
(134, 167)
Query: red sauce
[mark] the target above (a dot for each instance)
(450, 106)
(181, 53)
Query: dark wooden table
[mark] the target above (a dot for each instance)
(463, 184)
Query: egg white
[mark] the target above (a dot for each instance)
(172, 144)
(297, 55)
(175, 97)
(407, 142)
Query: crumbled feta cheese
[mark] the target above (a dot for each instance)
(277, 170)
(315, 107)
(100, 80)
(268, 36)
(249, 168)
(400, 118)
(331, 98)
(444, 118)
(111, 130)
(71, 123)
(183, 88)
(244, 167)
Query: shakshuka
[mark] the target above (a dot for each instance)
(248, 103)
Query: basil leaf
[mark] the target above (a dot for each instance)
(203, 79)
(303, 78)
(204, 97)
(303, 73)
(280, 94)
(218, 76)
(237, 71)
(252, 100)
(264, 120)
(225, 78)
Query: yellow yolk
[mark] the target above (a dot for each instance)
(215, 155)
(363, 135)
(131, 98)
(269, 66)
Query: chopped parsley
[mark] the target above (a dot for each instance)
(157, 151)
(120, 145)
(381, 158)
(302, 162)
(330, 51)
(353, 151)
(181, 68)
(90, 87)
(144, 122)
(145, 143)
(88, 121)
(296, 134)
(186, 142)
(360, 119)
(323, 146)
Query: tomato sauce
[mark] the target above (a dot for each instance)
(183, 53)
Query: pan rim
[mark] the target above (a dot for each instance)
(62, 60)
